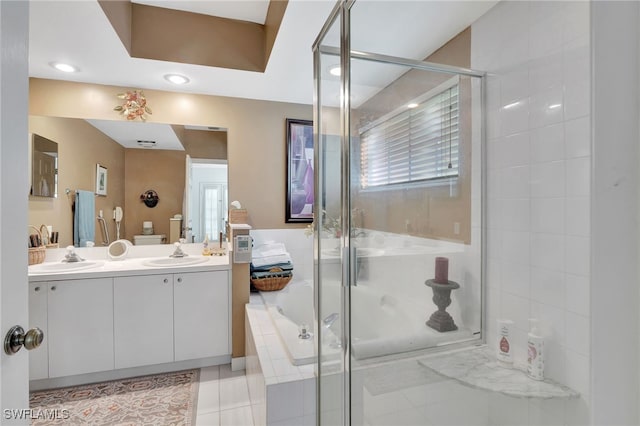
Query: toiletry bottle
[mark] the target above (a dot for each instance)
(535, 357)
(205, 246)
(504, 349)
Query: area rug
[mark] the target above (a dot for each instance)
(161, 399)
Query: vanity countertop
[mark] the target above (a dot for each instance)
(105, 268)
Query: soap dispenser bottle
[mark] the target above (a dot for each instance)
(535, 357)
(206, 251)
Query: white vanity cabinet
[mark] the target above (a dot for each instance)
(201, 304)
(143, 320)
(80, 326)
(122, 322)
(38, 358)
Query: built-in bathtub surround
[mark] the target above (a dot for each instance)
(536, 55)
(281, 393)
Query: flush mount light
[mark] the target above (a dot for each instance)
(335, 70)
(146, 144)
(176, 78)
(60, 66)
(412, 105)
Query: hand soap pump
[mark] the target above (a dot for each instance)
(535, 357)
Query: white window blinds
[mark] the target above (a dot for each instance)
(414, 145)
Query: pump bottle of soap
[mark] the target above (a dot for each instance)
(206, 251)
(535, 357)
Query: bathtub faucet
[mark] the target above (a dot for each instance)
(330, 319)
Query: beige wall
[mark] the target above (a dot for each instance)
(162, 171)
(80, 147)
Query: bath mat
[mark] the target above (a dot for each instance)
(398, 376)
(161, 399)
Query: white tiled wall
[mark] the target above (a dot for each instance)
(281, 393)
(536, 55)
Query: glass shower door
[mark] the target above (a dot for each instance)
(329, 288)
(399, 145)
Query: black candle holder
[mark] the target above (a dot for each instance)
(440, 320)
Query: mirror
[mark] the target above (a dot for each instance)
(44, 167)
(118, 249)
(133, 169)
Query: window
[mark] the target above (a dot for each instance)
(413, 145)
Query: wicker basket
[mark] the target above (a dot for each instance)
(273, 283)
(43, 229)
(36, 254)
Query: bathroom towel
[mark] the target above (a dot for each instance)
(285, 266)
(84, 228)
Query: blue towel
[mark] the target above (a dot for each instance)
(84, 228)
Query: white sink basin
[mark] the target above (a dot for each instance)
(44, 268)
(176, 261)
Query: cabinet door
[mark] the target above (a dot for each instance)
(143, 320)
(38, 358)
(201, 315)
(80, 326)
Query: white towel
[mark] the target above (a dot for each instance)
(269, 249)
(271, 260)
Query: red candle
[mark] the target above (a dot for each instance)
(442, 270)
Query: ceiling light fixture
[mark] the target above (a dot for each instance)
(335, 70)
(60, 66)
(176, 78)
(412, 105)
(146, 144)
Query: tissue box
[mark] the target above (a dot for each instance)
(238, 216)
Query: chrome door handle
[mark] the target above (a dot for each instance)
(16, 338)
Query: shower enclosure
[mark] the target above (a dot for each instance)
(399, 185)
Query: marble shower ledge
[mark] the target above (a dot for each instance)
(478, 369)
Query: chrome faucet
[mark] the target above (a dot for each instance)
(330, 319)
(327, 322)
(71, 255)
(178, 251)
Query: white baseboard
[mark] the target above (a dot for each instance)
(238, 363)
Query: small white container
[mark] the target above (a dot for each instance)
(146, 240)
(504, 348)
(147, 228)
(535, 356)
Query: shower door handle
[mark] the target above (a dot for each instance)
(353, 265)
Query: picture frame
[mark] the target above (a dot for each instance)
(101, 180)
(300, 173)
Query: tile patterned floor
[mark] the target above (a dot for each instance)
(223, 398)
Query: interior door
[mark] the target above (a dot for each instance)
(14, 187)
(186, 215)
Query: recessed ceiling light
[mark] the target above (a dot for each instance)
(412, 105)
(176, 78)
(60, 66)
(335, 70)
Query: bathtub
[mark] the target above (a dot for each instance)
(381, 323)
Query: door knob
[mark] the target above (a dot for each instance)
(16, 338)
